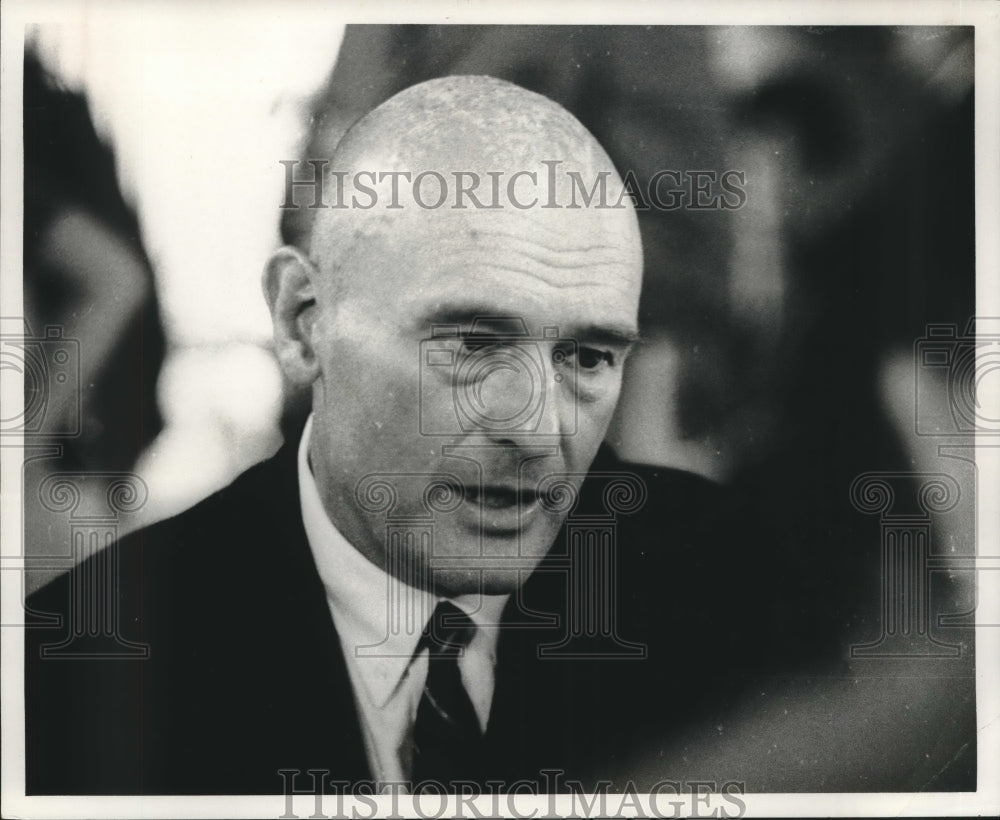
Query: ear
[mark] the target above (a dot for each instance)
(289, 288)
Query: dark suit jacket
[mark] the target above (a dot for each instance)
(245, 674)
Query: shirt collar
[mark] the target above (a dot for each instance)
(358, 592)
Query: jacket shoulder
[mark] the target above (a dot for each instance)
(643, 495)
(686, 561)
(206, 612)
(188, 546)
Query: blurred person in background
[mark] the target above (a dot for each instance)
(200, 170)
(87, 273)
(88, 281)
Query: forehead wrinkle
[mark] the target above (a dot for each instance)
(509, 236)
(516, 251)
(550, 283)
(559, 259)
(459, 270)
(552, 263)
(614, 264)
(578, 233)
(565, 258)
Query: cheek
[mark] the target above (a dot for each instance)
(593, 420)
(370, 388)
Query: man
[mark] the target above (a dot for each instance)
(423, 587)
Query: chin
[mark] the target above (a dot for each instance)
(479, 582)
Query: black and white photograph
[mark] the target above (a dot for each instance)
(519, 411)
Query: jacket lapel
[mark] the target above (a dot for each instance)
(310, 719)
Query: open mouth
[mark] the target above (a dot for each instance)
(500, 498)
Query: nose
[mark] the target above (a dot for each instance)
(558, 411)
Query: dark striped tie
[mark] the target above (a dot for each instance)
(447, 739)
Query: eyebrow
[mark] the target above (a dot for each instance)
(612, 336)
(463, 315)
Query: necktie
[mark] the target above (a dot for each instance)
(447, 739)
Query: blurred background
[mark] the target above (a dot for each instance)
(778, 351)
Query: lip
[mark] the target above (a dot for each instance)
(499, 509)
(498, 497)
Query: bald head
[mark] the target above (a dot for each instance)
(469, 121)
(461, 152)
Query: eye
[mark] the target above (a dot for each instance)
(591, 358)
(587, 358)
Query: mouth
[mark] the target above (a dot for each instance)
(499, 510)
(500, 498)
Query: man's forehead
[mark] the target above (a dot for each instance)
(590, 233)
(571, 256)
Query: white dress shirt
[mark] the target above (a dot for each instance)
(387, 680)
